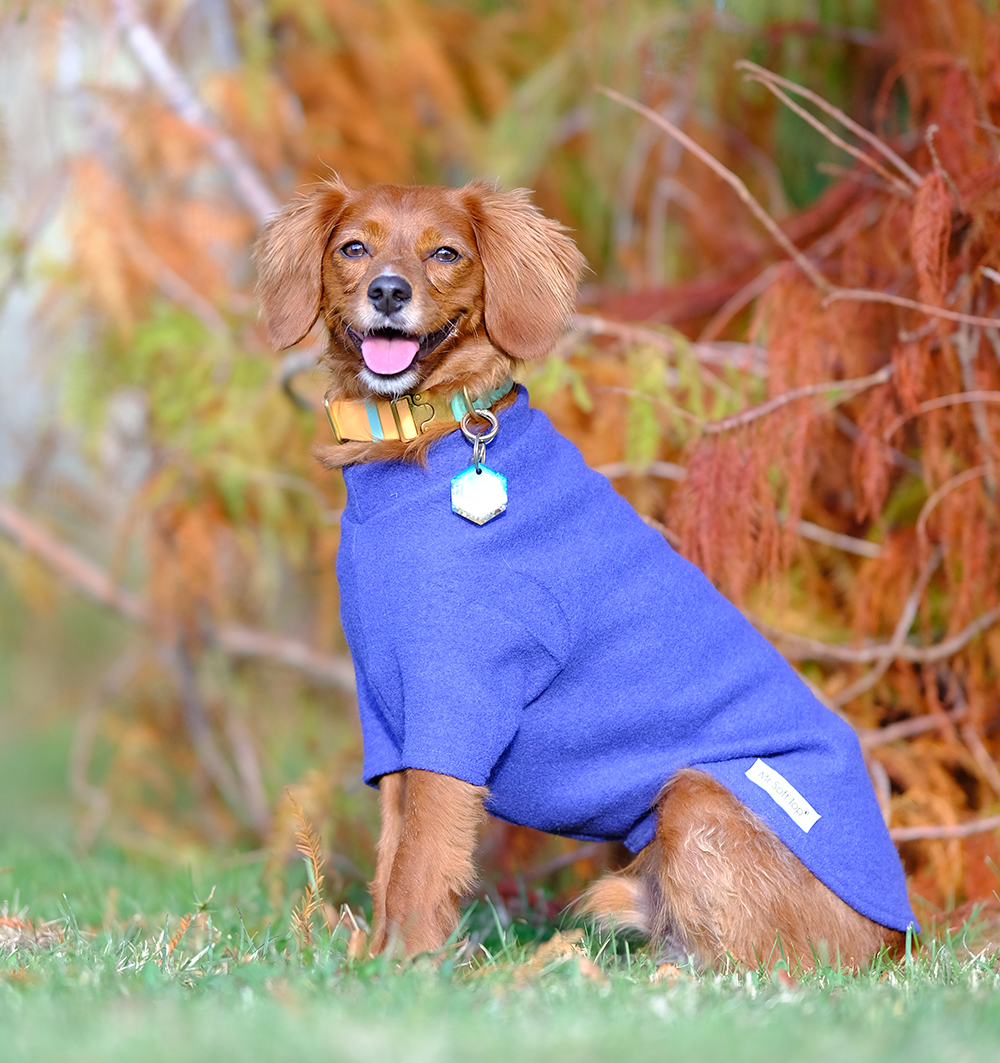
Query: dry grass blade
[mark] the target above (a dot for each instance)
(307, 842)
(179, 933)
(835, 112)
(900, 186)
(732, 180)
(17, 934)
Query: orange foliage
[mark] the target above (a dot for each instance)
(399, 90)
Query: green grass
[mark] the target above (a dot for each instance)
(239, 986)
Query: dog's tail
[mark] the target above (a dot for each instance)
(622, 901)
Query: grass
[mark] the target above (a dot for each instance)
(238, 985)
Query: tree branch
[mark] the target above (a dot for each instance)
(866, 682)
(938, 404)
(851, 387)
(945, 489)
(247, 179)
(233, 639)
(866, 295)
(957, 830)
(858, 130)
(732, 180)
(900, 186)
(801, 648)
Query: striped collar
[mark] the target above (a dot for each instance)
(404, 417)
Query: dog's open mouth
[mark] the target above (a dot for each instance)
(388, 352)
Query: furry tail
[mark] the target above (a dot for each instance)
(622, 901)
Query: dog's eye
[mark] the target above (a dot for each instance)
(446, 254)
(355, 249)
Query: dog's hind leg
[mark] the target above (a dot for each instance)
(431, 867)
(719, 887)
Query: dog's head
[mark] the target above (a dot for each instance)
(418, 286)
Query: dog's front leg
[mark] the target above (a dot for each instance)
(432, 866)
(391, 800)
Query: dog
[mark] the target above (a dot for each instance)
(541, 653)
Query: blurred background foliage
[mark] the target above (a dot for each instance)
(152, 456)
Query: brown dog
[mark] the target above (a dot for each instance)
(430, 296)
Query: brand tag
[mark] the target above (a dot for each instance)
(782, 793)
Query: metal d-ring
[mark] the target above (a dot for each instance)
(486, 437)
(480, 439)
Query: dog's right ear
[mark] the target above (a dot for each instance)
(289, 257)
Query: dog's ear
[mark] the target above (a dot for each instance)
(531, 270)
(289, 257)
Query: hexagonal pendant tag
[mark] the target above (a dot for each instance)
(479, 496)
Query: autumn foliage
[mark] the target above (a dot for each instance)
(819, 435)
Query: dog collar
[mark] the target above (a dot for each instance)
(405, 417)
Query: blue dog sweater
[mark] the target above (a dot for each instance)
(566, 657)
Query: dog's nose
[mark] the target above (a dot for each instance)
(389, 294)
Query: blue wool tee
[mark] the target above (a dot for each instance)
(566, 657)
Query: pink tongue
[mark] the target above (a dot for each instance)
(387, 356)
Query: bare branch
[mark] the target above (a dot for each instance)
(946, 488)
(667, 470)
(866, 682)
(800, 648)
(732, 180)
(745, 356)
(900, 186)
(870, 737)
(582, 852)
(172, 284)
(662, 470)
(72, 566)
(852, 545)
(958, 830)
(865, 295)
(233, 639)
(603, 326)
(735, 303)
(239, 641)
(981, 755)
(247, 179)
(850, 387)
(938, 404)
(835, 112)
(215, 766)
(898, 458)
(667, 534)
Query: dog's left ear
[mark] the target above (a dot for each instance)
(531, 269)
(289, 257)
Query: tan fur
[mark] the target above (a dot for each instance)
(392, 808)
(424, 863)
(715, 883)
(510, 295)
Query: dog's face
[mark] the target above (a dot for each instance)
(403, 284)
(417, 286)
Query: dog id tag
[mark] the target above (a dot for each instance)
(479, 494)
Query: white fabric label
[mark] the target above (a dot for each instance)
(781, 791)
